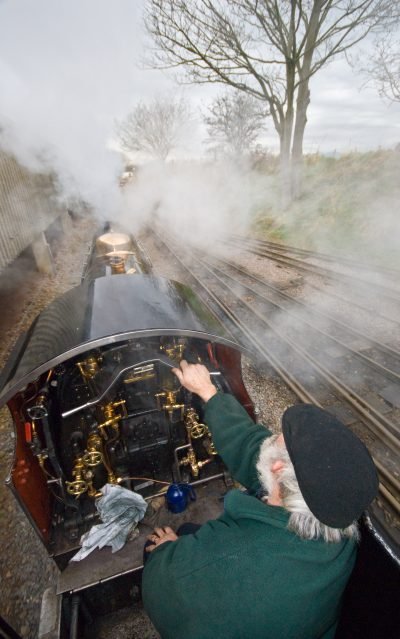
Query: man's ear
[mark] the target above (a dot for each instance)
(277, 466)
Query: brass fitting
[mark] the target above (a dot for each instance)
(173, 351)
(79, 485)
(210, 447)
(194, 428)
(41, 457)
(93, 455)
(111, 417)
(192, 461)
(140, 374)
(167, 401)
(89, 367)
(117, 264)
(112, 478)
(91, 490)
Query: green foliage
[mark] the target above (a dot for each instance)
(264, 162)
(349, 203)
(266, 226)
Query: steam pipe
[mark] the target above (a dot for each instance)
(160, 359)
(198, 482)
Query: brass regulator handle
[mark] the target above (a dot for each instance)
(198, 430)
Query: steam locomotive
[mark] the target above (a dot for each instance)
(94, 402)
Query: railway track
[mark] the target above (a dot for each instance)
(346, 283)
(340, 261)
(316, 355)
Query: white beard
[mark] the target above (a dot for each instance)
(270, 452)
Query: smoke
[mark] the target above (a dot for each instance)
(67, 70)
(68, 73)
(196, 200)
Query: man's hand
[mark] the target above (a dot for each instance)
(159, 536)
(196, 378)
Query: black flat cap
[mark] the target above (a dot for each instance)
(334, 469)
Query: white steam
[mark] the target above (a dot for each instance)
(196, 201)
(67, 70)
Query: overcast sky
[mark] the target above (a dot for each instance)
(69, 69)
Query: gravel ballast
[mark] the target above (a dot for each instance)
(26, 569)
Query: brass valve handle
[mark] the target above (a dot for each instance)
(195, 428)
(198, 430)
(77, 487)
(93, 455)
(92, 458)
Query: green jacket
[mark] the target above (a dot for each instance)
(245, 575)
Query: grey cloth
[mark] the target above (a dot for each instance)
(120, 510)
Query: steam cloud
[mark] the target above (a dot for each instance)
(67, 70)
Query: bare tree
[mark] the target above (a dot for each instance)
(154, 128)
(267, 48)
(234, 123)
(384, 68)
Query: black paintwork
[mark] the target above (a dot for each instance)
(104, 311)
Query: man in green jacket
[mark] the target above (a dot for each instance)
(269, 568)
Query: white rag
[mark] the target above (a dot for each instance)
(120, 510)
